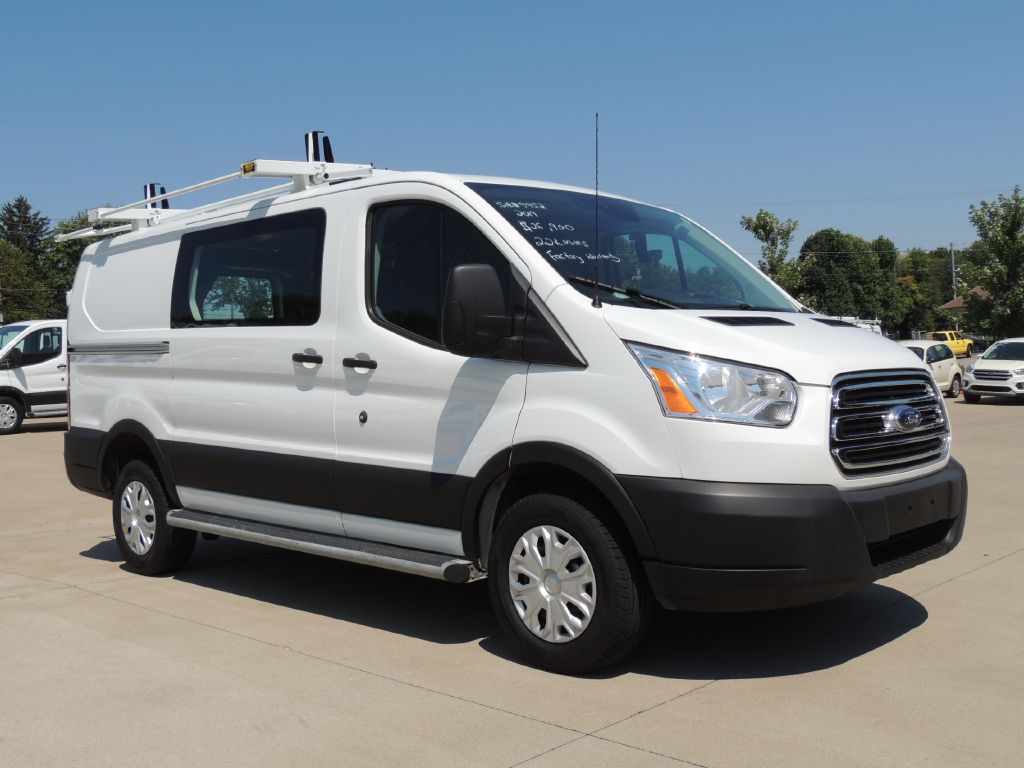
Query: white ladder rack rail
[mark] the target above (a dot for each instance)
(303, 175)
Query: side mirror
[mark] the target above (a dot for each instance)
(14, 359)
(474, 318)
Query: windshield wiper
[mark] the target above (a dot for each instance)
(633, 293)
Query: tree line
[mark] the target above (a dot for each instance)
(842, 274)
(35, 271)
(835, 272)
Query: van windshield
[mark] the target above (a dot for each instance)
(9, 332)
(648, 256)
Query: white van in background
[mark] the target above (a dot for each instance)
(33, 372)
(465, 377)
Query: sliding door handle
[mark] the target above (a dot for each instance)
(302, 357)
(358, 362)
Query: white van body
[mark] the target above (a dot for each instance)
(33, 371)
(357, 427)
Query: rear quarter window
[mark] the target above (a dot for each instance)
(262, 272)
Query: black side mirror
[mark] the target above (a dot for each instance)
(14, 359)
(474, 318)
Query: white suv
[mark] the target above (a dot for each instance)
(1000, 371)
(940, 359)
(33, 369)
(457, 377)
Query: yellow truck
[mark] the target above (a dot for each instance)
(961, 346)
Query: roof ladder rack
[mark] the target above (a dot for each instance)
(303, 175)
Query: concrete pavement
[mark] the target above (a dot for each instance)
(252, 656)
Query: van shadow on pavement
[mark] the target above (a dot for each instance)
(680, 645)
(31, 425)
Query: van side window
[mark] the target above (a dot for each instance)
(413, 248)
(262, 272)
(40, 346)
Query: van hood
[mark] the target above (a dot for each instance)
(811, 349)
(998, 365)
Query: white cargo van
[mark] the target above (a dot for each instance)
(463, 377)
(33, 370)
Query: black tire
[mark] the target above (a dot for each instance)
(954, 388)
(623, 605)
(970, 397)
(19, 415)
(171, 547)
(970, 350)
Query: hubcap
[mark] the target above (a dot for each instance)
(8, 416)
(138, 517)
(552, 584)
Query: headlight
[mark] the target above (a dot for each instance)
(969, 369)
(695, 387)
(1018, 371)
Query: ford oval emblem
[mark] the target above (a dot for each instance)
(905, 418)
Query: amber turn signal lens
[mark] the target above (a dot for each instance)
(673, 396)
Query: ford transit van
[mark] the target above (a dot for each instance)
(464, 377)
(33, 369)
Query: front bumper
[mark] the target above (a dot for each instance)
(745, 546)
(1014, 386)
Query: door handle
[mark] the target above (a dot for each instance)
(356, 362)
(302, 357)
(62, 367)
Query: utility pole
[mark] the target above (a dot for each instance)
(952, 266)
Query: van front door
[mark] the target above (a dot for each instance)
(42, 375)
(414, 422)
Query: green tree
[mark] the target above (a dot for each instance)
(996, 264)
(775, 237)
(24, 227)
(22, 295)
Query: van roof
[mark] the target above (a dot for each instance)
(450, 181)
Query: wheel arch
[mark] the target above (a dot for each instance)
(128, 440)
(544, 467)
(15, 394)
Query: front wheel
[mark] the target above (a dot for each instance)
(11, 415)
(970, 350)
(565, 592)
(147, 543)
(954, 388)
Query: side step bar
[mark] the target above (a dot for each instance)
(434, 565)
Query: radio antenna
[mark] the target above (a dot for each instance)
(596, 303)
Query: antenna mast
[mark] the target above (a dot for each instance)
(596, 303)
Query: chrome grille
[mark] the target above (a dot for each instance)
(991, 375)
(865, 438)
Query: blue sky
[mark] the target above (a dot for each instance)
(875, 118)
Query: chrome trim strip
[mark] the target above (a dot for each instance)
(399, 534)
(143, 348)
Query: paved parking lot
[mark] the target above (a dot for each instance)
(254, 657)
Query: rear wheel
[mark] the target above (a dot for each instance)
(970, 397)
(11, 415)
(954, 388)
(147, 543)
(566, 593)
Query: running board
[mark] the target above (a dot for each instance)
(434, 565)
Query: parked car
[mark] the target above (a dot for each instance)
(457, 377)
(941, 361)
(1000, 371)
(961, 346)
(980, 342)
(33, 367)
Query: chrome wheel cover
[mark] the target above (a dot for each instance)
(552, 584)
(8, 416)
(138, 517)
